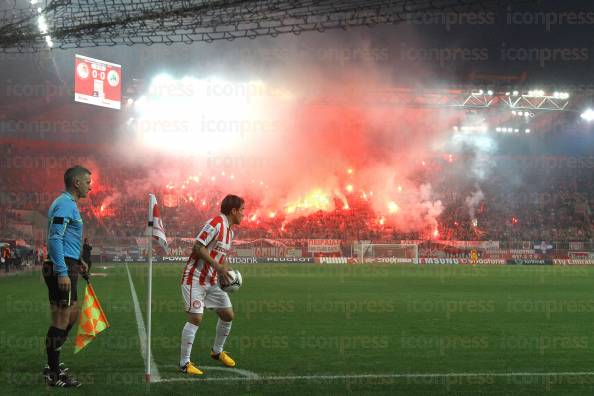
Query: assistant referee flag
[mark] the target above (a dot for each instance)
(92, 320)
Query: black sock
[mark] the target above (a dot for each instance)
(53, 342)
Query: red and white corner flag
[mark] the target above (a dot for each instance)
(155, 223)
(156, 231)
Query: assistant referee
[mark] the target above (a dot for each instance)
(65, 231)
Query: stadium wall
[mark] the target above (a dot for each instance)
(430, 252)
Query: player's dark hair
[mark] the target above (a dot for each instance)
(72, 173)
(231, 202)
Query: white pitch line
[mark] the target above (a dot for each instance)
(376, 376)
(244, 373)
(142, 331)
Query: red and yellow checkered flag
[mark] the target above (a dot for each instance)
(92, 320)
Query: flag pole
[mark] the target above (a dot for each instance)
(150, 291)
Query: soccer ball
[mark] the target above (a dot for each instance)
(235, 283)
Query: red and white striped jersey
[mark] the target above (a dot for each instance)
(217, 236)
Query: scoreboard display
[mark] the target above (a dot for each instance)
(97, 82)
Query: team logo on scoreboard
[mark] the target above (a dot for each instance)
(113, 78)
(83, 70)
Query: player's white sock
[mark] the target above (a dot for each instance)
(223, 329)
(187, 339)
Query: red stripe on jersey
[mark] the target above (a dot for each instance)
(187, 266)
(184, 273)
(192, 269)
(216, 220)
(203, 273)
(222, 233)
(206, 269)
(215, 276)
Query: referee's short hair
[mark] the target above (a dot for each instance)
(231, 202)
(72, 173)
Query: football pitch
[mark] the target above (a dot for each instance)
(327, 329)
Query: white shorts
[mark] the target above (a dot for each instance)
(197, 297)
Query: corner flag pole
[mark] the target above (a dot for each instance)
(150, 291)
(155, 229)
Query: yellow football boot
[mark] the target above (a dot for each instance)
(223, 358)
(189, 368)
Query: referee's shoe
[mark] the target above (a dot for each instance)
(62, 367)
(61, 379)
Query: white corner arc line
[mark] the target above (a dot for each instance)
(155, 376)
(339, 377)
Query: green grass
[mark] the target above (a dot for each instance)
(309, 320)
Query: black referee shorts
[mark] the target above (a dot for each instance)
(57, 296)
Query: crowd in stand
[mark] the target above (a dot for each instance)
(539, 204)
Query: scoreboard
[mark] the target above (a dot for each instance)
(97, 82)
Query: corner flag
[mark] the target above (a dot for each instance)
(155, 222)
(92, 320)
(156, 231)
